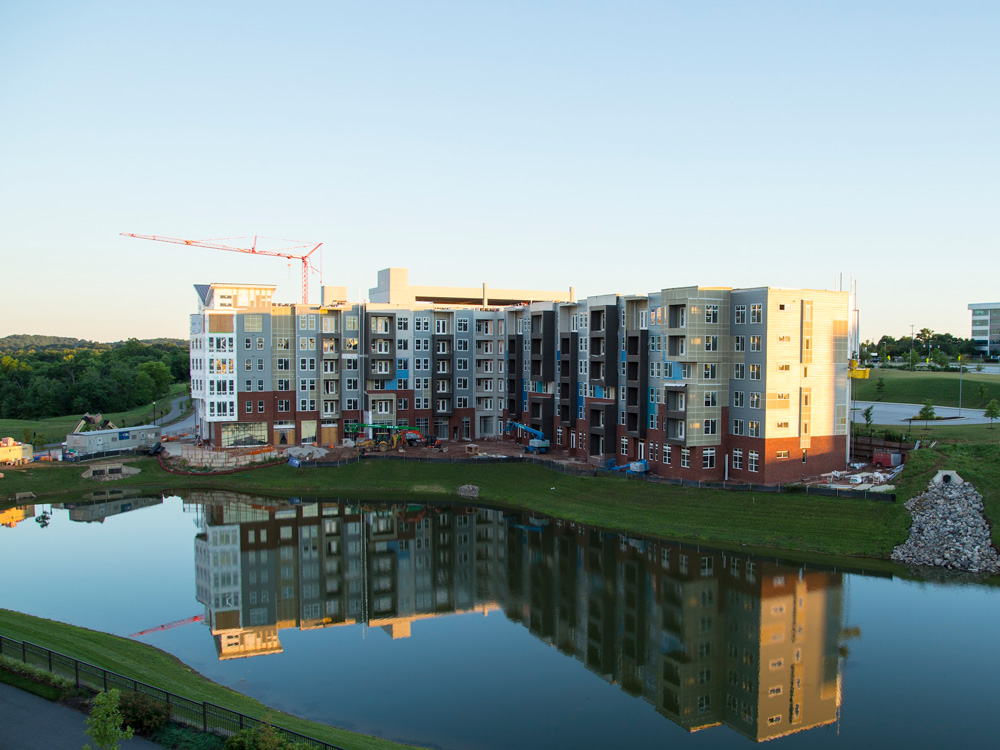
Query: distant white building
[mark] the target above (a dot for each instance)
(986, 327)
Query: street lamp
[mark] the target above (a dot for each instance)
(154, 412)
(911, 346)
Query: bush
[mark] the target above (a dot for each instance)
(263, 738)
(176, 737)
(144, 713)
(36, 674)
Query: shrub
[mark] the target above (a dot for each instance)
(144, 713)
(37, 674)
(263, 738)
(176, 737)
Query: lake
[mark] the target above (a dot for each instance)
(471, 627)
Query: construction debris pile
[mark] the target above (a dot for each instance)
(949, 529)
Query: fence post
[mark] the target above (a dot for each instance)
(50, 659)
(104, 672)
(76, 671)
(24, 651)
(204, 716)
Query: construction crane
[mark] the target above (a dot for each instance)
(169, 625)
(253, 250)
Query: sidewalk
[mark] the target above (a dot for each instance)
(28, 722)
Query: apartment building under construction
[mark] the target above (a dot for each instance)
(702, 383)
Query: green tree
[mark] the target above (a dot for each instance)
(869, 418)
(939, 358)
(992, 411)
(927, 412)
(104, 725)
(160, 374)
(912, 358)
(983, 392)
(880, 388)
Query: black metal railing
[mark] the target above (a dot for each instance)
(207, 717)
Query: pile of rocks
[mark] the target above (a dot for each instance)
(949, 530)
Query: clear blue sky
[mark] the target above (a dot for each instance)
(613, 147)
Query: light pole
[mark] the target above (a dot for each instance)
(911, 346)
(960, 368)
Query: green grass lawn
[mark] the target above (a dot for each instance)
(906, 387)
(55, 429)
(947, 431)
(158, 668)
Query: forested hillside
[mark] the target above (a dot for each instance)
(51, 376)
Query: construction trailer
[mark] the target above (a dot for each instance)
(110, 442)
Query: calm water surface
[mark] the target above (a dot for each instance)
(465, 627)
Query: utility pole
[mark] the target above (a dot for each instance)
(911, 346)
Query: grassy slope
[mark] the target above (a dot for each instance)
(55, 429)
(155, 667)
(786, 521)
(905, 387)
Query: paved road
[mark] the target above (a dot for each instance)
(28, 722)
(174, 423)
(898, 414)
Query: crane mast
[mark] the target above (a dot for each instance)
(252, 250)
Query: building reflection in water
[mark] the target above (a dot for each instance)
(706, 637)
(13, 516)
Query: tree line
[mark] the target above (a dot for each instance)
(925, 344)
(41, 377)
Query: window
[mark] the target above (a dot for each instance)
(708, 457)
(711, 313)
(667, 453)
(709, 371)
(462, 345)
(781, 425)
(756, 315)
(685, 458)
(784, 368)
(712, 343)
(737, 426)
(711, 427)
(752, 460)
(351, 404)
(402, 324)
(782, 454)
(249, 407)
(754, 399)
(741, 314)
(462, 364)
(737, 399)
(284, 363)
(284, 405)
(739, 343)
(462, 325)
(623, 449)
(755, 372)
(754, 428)
(351, 323)
(755, 343)
(711, 397)
(737, 458)
(739, 371)
(284, 384)
(441, 326)
(260, 407)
